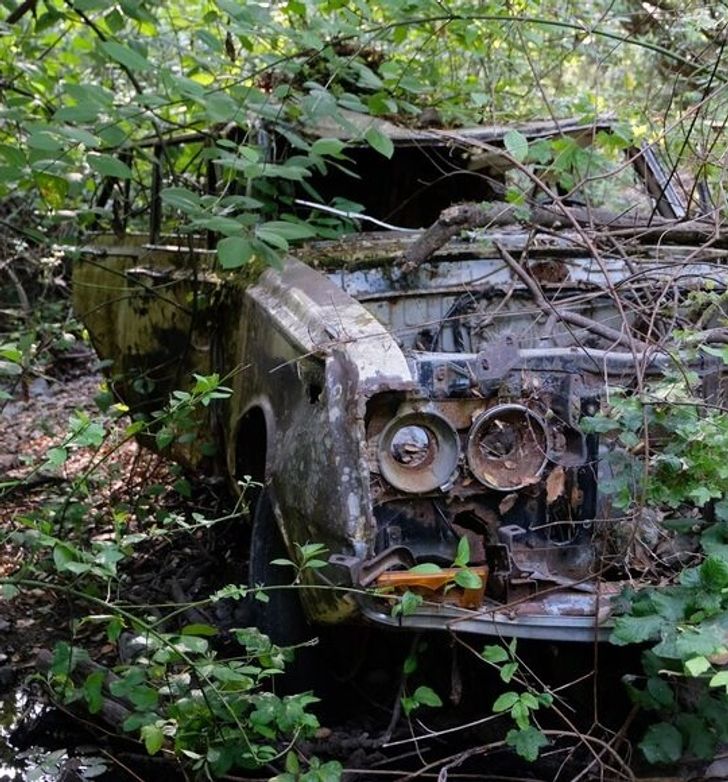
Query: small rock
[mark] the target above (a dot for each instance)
(131, 646)
(11, 409)
(39, 387)
(4, 625)
(9, 461)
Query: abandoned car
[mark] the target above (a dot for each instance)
(400, 391)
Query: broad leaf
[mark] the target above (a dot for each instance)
(516, 144)
(153, 738)
(106, 165)
(234, 252)
(527, 742)
(130, 58)
(377, 140)
(662, 743)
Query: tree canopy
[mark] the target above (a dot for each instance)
(85, 81)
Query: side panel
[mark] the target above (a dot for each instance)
(155, 317)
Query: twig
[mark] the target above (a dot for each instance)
(574, 318)
(397, 708)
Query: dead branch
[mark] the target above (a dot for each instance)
(449, 224)
(573, 318)
(457, 218)
(112, 712)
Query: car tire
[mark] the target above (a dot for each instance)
(281, 617)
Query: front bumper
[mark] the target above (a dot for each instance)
(560, 615)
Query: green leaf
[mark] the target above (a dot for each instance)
(508, 671)
(81, 112)
(63, 555)
(467, 579)
(114, 21)
(426, 569)
(283, 562)
(163, 438)
(143, 697)
(516, 144)
(636, 629)
(660, 691)
(521, 713)
(106, 165)
(662, 743)
(597, 424)
(9, 591)
(378, 141)
(427, 697)
(292, 764)
(57, 456)
(408, 704)
(714, 573)
(290, 231)
(181, 198)
(719, 352)
(462, 557)
(220, 224)
(328, 146)
(410, 664)
(127, 57)
(44, 141)
(153, 737)
(113, 631)
(199, 629)
(234, 252)
(527, 742)
(66, 658)
(79, 136)
(701, 740)
(696, 665)
(720, 680)
(271, 237)
(408, 604)
(494, 654)
(505, 702)
(12, 155)
(92, 691)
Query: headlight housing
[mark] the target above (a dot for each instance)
(508, 447)
(418, 452)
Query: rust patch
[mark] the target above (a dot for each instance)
(549, 271)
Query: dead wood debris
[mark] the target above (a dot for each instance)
(457, 218)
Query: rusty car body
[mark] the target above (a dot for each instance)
(391, 412)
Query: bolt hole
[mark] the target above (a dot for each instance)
(314, 391)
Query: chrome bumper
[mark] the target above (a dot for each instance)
(564, 615)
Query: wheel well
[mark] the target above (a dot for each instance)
(251, 445)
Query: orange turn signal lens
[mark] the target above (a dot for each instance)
(433, 586)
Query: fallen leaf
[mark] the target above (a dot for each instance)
(555, 484)
(507, 503)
